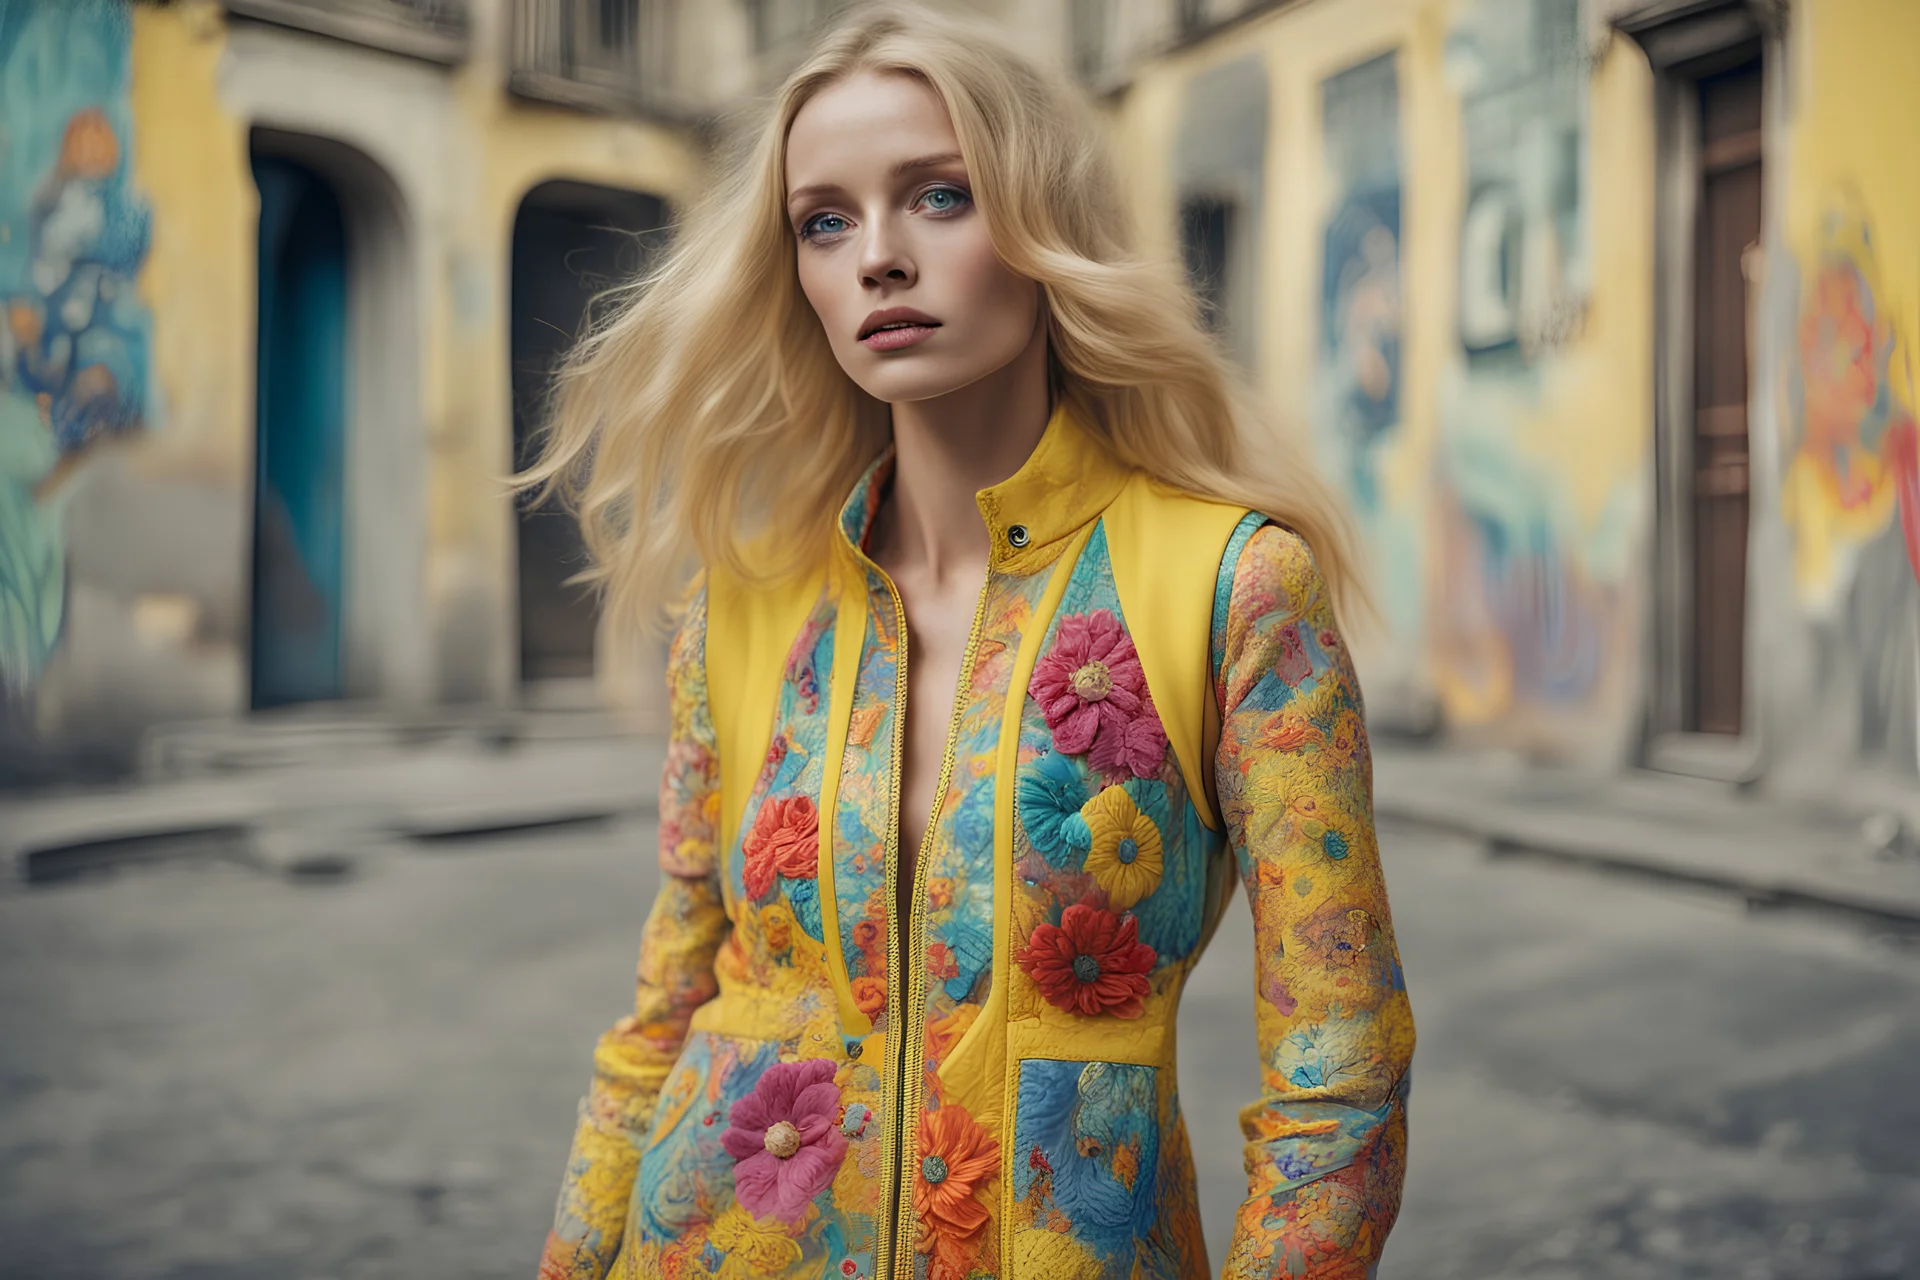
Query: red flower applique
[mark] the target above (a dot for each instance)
(785, 841)
(1094, 695)
(1092, 962)
(941, 962)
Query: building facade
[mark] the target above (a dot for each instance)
(1601, 312)
(284, 280)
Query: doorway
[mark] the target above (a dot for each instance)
(571, 243)
(1714, 109)
(1728, 231)
(300, 436)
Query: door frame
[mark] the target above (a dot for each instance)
(1686, 40)
(385, 647)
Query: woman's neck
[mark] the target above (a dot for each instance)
(948, 449)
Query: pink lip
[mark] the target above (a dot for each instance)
(898, 339)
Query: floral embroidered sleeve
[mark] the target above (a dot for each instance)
(682, 934)
(1326, 1142)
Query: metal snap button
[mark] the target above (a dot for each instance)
(1017, 535)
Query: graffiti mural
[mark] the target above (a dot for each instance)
(1519, 68)
(1525, 616)
(1850, 491)
(1530, 612)
(1358, 389)
(1360, 268)
(74, 342)
(1853, 458)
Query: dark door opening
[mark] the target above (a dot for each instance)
(1206, 238)
(300, 436)
(571, 242)
(1728, 226)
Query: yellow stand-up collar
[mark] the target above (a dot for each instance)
(1063, 486)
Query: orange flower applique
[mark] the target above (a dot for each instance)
(870, 995)
(865, 721)
(957, 1158)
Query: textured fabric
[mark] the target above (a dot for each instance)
(810, 1088)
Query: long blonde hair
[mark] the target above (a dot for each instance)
(710, 410)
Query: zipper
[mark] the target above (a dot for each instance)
(907, 989)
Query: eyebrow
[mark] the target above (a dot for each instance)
(899, 170)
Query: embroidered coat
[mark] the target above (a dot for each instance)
(810, 1087)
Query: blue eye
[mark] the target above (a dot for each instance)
(945, 199)
(823, 224)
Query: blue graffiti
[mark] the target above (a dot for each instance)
(74, 335)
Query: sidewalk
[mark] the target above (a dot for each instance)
(307, 796)
(1772, 852)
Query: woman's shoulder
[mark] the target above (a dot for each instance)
(1275, 573)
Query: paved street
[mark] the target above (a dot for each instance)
(207, 1071)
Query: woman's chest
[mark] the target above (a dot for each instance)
(950, 768)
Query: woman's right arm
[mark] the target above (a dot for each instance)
(683, 931)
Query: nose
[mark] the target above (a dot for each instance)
(884, 259)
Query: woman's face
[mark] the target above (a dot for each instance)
(893, 252)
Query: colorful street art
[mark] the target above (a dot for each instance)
(1523, 617)
(1527, 614)
(74, 342)
(1854, 460)
(1519, 68)
(1360, 268)
(1358, 388)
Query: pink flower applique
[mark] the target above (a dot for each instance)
(1094, 695)
(784, 1138)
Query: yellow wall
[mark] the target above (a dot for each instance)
(1840, 319)
(1851, 222)
(190, 158)
(151, 635)
(1537, 643)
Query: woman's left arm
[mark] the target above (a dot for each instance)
(1326, 1142)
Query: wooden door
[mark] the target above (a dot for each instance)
(1729, 224)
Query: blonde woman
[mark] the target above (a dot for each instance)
(1013, 647)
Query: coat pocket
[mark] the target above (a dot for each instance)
(1085, 1159)
(686, 1176)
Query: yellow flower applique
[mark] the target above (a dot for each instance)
(1125, 859)
(753, 1248)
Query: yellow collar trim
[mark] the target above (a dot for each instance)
(1062, 487)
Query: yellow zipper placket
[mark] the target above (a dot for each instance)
(907, 1048)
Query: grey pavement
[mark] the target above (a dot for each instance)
(1856, 852)
(291, 790)
(209, 1069)
(300, 789)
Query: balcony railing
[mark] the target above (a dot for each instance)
(594, 55)
(435, 30)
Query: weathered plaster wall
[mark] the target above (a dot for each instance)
(1456, 298)
(127, 623)
(1838, 326)
(131, 479)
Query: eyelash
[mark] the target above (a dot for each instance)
(809, 230)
